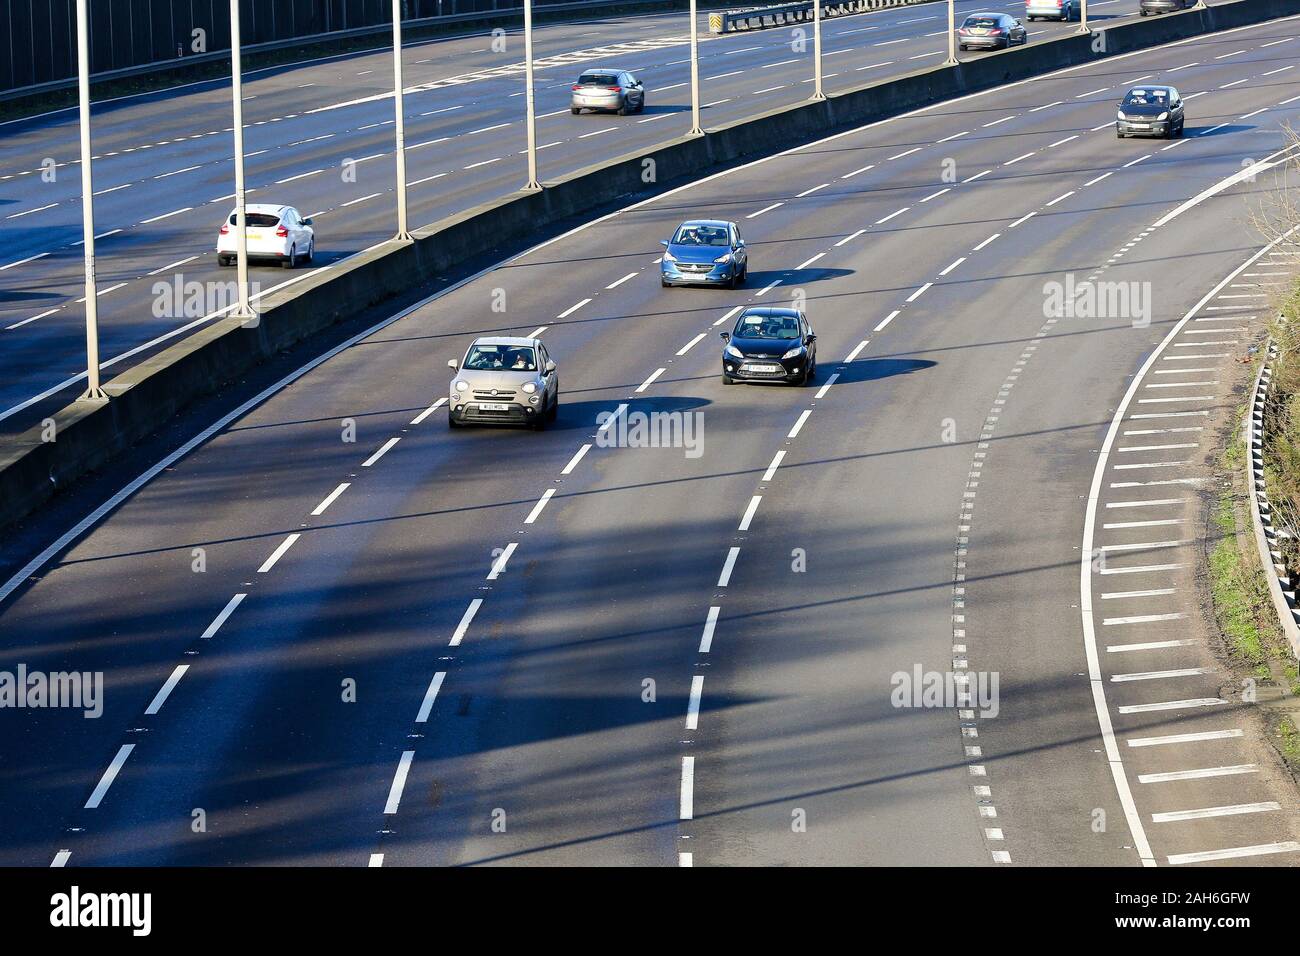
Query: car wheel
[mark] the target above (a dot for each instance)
(1180, 129)
(640, 104)
(1142, 13)
(311, 253)
(223, 262)
(288, 263)
(623, 108)
(554, 413)
(451, 420)
(575, 110)
(539, 423)
(665, 283)
(962, 47)
(727, 379)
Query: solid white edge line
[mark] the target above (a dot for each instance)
(1098, 685)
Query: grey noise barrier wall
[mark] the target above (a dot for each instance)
(88, 434)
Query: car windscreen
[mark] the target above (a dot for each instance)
(255, 219)
(1147, 98)
(984, 22)
(506, 358)
(783, 327)
(598, 79)
(690, 235)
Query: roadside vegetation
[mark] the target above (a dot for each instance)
(1242, 604)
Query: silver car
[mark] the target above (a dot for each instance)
(608, 90)
(506, 381)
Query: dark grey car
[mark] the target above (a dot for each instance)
(607, 90)
(1162, 6)
(991, 31)
(1150, 111)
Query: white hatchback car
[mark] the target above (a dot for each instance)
(274, 232)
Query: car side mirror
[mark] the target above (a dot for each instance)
(725, 336)
(664, 243)
(811, 338)
(452, 364)
(550, 367)
(306, 222)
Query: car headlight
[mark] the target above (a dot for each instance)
(669, 257)
(733, 352)
(462, 386)
(530, 387)
(1162, 117)
(797, 350)
(725, 257)
(1120, 115)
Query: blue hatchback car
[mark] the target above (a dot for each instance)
(705, 252)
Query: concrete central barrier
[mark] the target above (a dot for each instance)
(88, 434)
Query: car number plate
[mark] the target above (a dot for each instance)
(494, 407)
(1140, 125)
(765, 368)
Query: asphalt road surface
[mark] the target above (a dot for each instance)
(436, 647)
(320, 137)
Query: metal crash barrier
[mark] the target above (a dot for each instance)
(762, 18)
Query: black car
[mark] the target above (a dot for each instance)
(1150, 111)
(770, 345)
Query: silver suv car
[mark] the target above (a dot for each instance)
(504, 380)
(604, 89)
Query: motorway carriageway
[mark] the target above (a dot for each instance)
(500, 598)
(164, 174)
